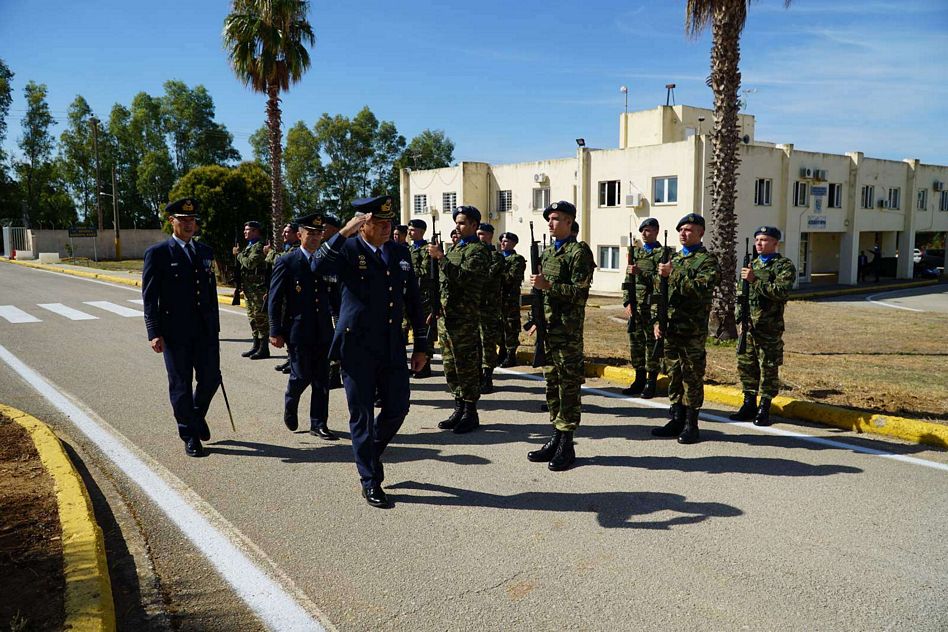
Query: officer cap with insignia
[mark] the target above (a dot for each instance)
(402, 228)
(648, 221)
(332, 220)
(418, 223)
(470, 212)
(313, 221)
(770, 231)
(293, 226)
(381, 207)
(253, 224)
(510, 237)
(184, 207)
(562, 206)
(486, 228)
(690, 218)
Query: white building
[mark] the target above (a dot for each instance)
(829, 207)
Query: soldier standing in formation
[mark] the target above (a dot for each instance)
(641, 276)
(463, 272)
(421, 263)
(692, 275)
(291, 242)
(492, 326)
(514, 267)
(400, 234)
(253, 271)
(770, 278)
(566, 273)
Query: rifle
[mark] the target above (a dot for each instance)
(435, 300)
(537, 317)
(745, 300)
(659, 350)
(629, 286)
(237, 282)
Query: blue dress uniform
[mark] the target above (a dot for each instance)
(378, 287)
(180, 299)
(299, 311)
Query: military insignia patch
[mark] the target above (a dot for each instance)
(299, 288)
(404, 265)
(362, 263)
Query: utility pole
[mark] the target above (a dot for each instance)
(98, 184)
(115, 219)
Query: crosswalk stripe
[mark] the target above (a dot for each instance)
(121, 310)
(139, 301)
(68, 312)
(17, 315)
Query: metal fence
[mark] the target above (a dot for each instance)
(16, 238)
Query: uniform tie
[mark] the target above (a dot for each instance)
(378, 255)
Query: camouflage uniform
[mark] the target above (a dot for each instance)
(492, 325)
(642, 340)
(253, 275)
(421, 263)
(769, 292)
(570, 270)
(463, 271)
(514, 267)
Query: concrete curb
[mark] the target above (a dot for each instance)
(911, 430)
(88, 600)
(805, 296)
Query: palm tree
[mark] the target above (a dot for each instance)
(726, 18)
(266, 42)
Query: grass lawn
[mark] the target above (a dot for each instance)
(125, 265)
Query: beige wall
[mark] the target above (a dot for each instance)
(134, 243)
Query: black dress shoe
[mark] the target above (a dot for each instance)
(193, 447)
(286, 370)
(376, 497)
(281, 367)
(425, 372)
(290, 419)
(323, 432)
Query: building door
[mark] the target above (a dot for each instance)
(803, 272)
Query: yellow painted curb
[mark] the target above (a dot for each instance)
(88, 599)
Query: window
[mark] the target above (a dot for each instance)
(449, 202)
(762, 191)
(895, 197)
(804, 254)
(421, 204)
(609, 193)
(943, 204)
(835, 195)
(868, 196)
(504, 200)
(665, 190)
(922, 203)
(801, 194)
(609, 257)
(541, 198)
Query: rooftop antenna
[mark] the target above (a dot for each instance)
(625, 90)
(670, 94)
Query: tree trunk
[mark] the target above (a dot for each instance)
(276, 160)
(725, 82)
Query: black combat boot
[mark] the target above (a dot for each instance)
(651, 384)
(253, 350)
(690, 433)
(635, 388)
(424, 372)
(565, 454)
(455, 417)
(545, 453)
(510, 360)
(674, 427)
(763, 413)
(487, 382)
(747, 410)
(263, 351)
(469, 419)
(501, 355)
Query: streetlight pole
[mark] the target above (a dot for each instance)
(98, 184)
(115, 219)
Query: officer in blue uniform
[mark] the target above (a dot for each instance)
(183, 323)
(378, 285)
(300, 318)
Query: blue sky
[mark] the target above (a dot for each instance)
(512, 81)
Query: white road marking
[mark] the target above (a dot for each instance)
(271, 602)
(137, 301)
(121, 310)
(17, 315)
(872, 300)
(68, 312)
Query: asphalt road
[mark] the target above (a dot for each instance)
(929, 298)
(747, 530)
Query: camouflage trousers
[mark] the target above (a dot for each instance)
(492, 334)
(685, 360)
(642, 340)
(564, 375)
(510, 314)
(461, 355)
(257, 312)
(758, 366)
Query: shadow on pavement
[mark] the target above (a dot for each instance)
(335, 453)
(721, 465)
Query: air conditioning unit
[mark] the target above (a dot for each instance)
(540, 178)
(633, 199)
(883, 204)
(820, 174)
(806, 172)
(938, 185)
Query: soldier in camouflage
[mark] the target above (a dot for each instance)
(566, 274)
(421, 263)
(692, 274)
(641, 276)
(770, 278)
(492, 325)
(463, 271)
(514, 267)
(253, 271)
(291, 242)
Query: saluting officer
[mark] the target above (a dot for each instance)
(692, 275)
(641, 275)
(378, 283)
(300, 318)
(770, 278)
(566, 273)
(463, 271)
(253, 274)
(291, 242)
(182, 320)
(514, 267)
(492, 325)
(421, 263)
